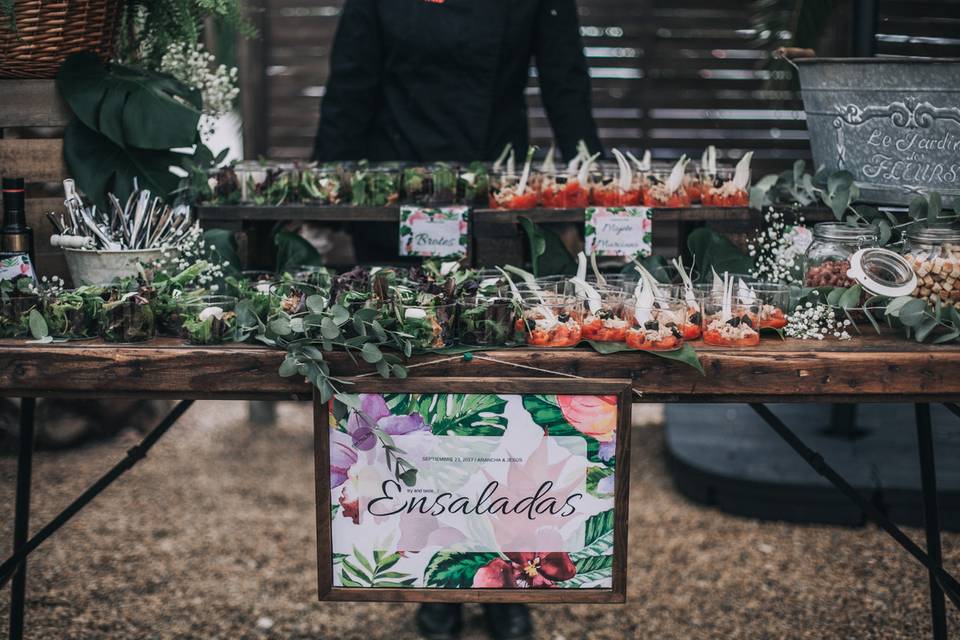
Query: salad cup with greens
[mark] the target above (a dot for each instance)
(127, 316)
(73, 314)
(486, 321)
(210, 320)
(17, 298)
(429, 325)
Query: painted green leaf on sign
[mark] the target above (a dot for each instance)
(461, 414)
(455, 570)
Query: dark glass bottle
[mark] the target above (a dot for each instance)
(16, 238)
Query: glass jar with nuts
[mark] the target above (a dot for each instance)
(827, 259)
(934, 254)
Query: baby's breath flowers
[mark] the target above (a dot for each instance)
(190, 251)
(777, 248)
(198, 69)
(816, 321)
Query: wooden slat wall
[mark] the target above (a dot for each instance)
(32, 118)
(669, 75)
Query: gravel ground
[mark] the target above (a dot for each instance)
(213, 536)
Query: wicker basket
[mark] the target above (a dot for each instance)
(49, 31)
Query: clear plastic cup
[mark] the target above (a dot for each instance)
(738, 327)
(432, 327)
(774, 299)
(720, 191)
(505, 192)
(555, 324)
(210, 319)
(656, 328)
(485, 321)
(609, 322)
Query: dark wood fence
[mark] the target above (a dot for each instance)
(669, 75)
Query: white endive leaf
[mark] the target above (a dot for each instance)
(588, 292)
(718, 286)
(548, 165)
(645, 297)
(601, 281)
(625, 180)
(581, 266)
(708, 161)
(741, 177)
(745, 293)
(726, 310)
(585, 168)
(676, 175)
(689, 294)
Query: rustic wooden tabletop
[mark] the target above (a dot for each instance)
(868, 368)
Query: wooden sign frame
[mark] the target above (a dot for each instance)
(617, 594)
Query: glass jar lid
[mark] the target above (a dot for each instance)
(922, 234)
(882, 272)
(843, 232)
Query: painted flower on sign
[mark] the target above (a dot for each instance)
(375, 414)
(342, 458)
(594, 416)
(525, 570)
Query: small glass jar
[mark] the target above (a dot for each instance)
(827, 259)
(72, 314)
(934, 254)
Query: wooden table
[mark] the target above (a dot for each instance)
(866, 369)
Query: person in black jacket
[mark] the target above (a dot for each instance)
(430, 80)
(434, 80)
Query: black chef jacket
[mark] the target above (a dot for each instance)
(429, 80)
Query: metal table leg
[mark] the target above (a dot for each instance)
(931, 517)
(11, 565)
(21, 520)
(941, 581)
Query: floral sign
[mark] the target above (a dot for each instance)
(440, 232)
(473, 491)
(618, 231)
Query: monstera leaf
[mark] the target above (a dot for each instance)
(128, 122)
(100, 167)
(131, 107)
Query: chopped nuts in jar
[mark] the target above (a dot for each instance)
(832, 273)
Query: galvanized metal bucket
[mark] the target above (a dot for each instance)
(102, 267)
(894, 123)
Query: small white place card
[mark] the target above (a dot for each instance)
(618, 231)
(433, 232)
